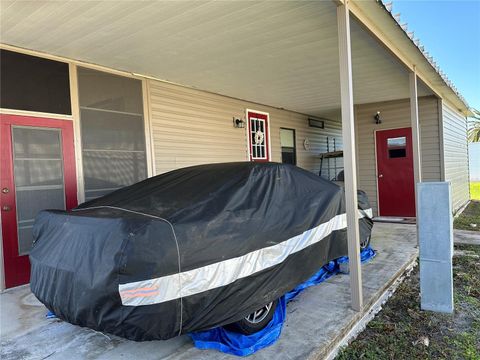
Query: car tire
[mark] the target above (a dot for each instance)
(366, 243)
(254, 322)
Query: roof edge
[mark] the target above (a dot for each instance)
(414, 45)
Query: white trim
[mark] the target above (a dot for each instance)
(258, 147)
(112, 111)
(248, 134)
(376, 170)
(223, 273)
(415, 124)
(36, 114)
(441, 138)
(349, 156)
(147, 124)
(68, 61)
(77, 134)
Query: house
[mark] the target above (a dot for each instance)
(474, 152)
(96, 96)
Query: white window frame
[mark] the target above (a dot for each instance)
(75, 108)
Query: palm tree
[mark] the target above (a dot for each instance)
(474, 128)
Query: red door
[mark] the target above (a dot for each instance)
(396, 188)
(258, 136)
(37, 172)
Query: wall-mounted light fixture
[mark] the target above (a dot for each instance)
(238, 123)
(377, 118)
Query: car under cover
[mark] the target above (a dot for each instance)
(190, 249)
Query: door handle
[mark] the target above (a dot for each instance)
(6, 208)
(380, 176)
(5, 190)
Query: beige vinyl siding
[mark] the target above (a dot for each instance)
(307, 159)
(191, 127)
(430, 146)
(395, 114)
(456, 155)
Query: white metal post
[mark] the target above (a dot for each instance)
(74, 99)
(417, 162)
(417, 159)
(348, 133)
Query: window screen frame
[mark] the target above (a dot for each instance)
(294, 148)
(147, 135)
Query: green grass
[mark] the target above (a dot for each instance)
(471, 215)
(475, 190)
(402, 331)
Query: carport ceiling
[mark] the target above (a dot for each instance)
(283, 54)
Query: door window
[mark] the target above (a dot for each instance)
(38, 177)
(397, 147)
(113, 134)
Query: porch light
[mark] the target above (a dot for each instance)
(377, 118)
(238, 123)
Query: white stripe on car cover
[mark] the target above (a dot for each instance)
(187, 283)
(367, 212)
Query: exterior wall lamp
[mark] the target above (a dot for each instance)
(377, 118)
(238, 123)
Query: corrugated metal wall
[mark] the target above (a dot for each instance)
(456, 155)
(191, 127)
(395, 114)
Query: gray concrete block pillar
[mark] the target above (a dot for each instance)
(435, 235)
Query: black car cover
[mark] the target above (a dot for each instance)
(189, 250)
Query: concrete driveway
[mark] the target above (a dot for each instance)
(317, 320)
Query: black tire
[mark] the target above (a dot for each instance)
(364, 244)
(247, 327)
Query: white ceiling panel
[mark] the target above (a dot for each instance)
(282, 53)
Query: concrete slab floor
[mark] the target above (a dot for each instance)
(316, 320)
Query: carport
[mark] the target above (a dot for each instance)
(315, 58)
(318, 321)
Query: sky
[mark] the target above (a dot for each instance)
(450, 32)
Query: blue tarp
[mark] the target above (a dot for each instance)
(242, 345)
(231, 342)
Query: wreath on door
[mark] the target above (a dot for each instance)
(259, 136)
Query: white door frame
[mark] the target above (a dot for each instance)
(269, 142)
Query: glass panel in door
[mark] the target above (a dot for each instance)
(38, 177)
